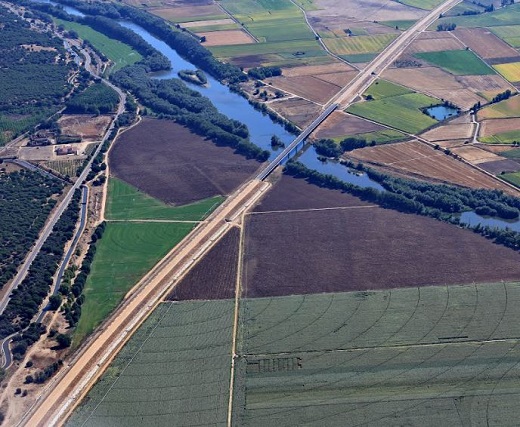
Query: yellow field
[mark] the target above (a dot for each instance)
(359, 44)
(510, 71)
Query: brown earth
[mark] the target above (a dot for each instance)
(195, 24)
(171, 163)
(434, 43)
(84, 125)
(297, 110)
(475, 154)
(339, 79)
(492, 83)
(226, 37)
(214, 277)
(361, 248)
(307, 87)
(498, 166)
(492, 127)
(417, 159)
(340, 124)
(484, 43)
(314, 70)
(448, 132)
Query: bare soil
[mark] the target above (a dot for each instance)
(307, 87)
(484, 43)
(498, 166)
(475, 154)
(340, 124)
(171, 163)
(214, 277)
(195, 24)
(226, 37)
(493, 127)
(86, 126)
(297, 110)
(449, 132)
(435, 42)
(364, 248)
(315, 70)
(417, 159)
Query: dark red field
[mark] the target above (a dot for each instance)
(361, 248)
(171, 163)
(214, 277)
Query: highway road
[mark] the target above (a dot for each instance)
(71, 384)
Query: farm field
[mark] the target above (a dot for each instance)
(417, 159)
(225, 37)
(307, 87)
(434, 41)
(501, 167)
(401, 112)
(509, 15)
(492, 127)
(475, 155)
(511, 154)
(422, 4)
(340, 124)
(400, 24)
(125, 202)
(86, 126)
(119, 53)
(125, 253)
(510, 71)
(509, 33)
(179, 167)
(422, 356)
(358, 243)
(450, 132)
(297, 110)
(458, 62)
(382, 136)
(359, 44)
(485, 44)
(215, 275)
(512, 178)
(175, 370)
(502, 137)
(501, 110)
(184, 12)
(383, 89)
(65, 167)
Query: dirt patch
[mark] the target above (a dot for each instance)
(214, 277)
(171, 163)
(297, 110)
(435, 42)
(88, 127)
(475, 155)
(340, 124)
(417, 159)
(226, 37)
(493, 127)
(307, 87)
(364, 248)
(499, 166)
(484, 43)
(449, 132)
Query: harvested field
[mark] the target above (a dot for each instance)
(226, 37)
(504, 109)
(195, 12)
(364, 248)
(409, 357)
(493, 127)
(434, 43)
(500, 166)
(339, 79)
(211, 22)
(340, 124)
(510, 71)
(474, 154)
(172, 164)
(297, 110)
(488, 85)
(417, 159)
(449, 132)
(484, 43)
(89, 127)
(215, 275)
(315, 70)
(174, 371)
(307, 87)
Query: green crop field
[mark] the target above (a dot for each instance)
(431, 356)
(359, 44)
(175, 371)
(511, 154)
(125, 202)
(509, 33)
(400, 25)
(401, 112)
(509, 15)
(464, 7)
(501, 110)
(384, 89)
(125, 253)
(502, 138)
(119, 53)
(512, 178)
(422, 4)
(458, 62)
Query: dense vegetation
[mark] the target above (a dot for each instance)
(193, 76)
(261, 73)
(28, 297)
(329, 148)
(33, 81)
(25, 203)
(441, 202)
(96, 99)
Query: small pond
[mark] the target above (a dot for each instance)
(441, 112)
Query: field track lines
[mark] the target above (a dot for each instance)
(313, 209)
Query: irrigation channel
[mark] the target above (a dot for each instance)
(262, 128)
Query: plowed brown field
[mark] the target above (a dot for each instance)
(171, 163)
(484, 43)
(434, 44)
(492, 127)
(340, 124)
(226, 37)
(297, 110)
(307, 87)
(448, 132)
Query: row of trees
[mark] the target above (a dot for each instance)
(261, 73)
(329, 148)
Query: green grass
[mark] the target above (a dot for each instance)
(124, 255)
(458, 62)
(509, 15)
(119, 53)
(359, 58)
(310, 48)
(383, 89)
(401, 112)
(359, 44)
(512, 178)
(465, 6)
(380, 136)
(422, 4)
(401, 25)
(125, 202)
(174, 371)
(511, 154)
(502, 138)
(509, 33)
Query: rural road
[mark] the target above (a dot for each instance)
(73, 382)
